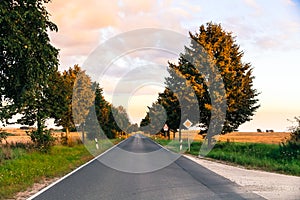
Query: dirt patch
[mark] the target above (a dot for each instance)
(34, 189)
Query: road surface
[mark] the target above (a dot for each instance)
(111, 178)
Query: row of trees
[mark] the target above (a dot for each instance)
(209, 83)
(210, 77)
(79, 101)
(32, 86)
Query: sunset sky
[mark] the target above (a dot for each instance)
(267, 31)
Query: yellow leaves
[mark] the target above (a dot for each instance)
(207, 106)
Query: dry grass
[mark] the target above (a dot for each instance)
(268, 138)
(20, 136)
(253, 137)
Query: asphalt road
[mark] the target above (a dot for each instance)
(123, 174)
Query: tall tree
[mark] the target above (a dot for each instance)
(82, 100)
(212, 64)
(110, 119)
(121, 119)
(223, 52)
(154, 120)
(61, 93)
(27, 60)
(98, 115)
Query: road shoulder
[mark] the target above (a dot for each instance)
(266, 184)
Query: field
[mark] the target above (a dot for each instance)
(20, 136)
(252, 137)
(21, 165)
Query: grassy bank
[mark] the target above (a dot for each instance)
(268, 157)
(27, 167)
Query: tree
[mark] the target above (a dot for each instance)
(118, 121)
(105, 119)
(98, 115)
(133, 128)
(27, 60)
(61, 93)
(82, 99)
(121, 118)
(154, 120)
(212, 66)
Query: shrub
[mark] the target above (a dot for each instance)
(290, 150)
(43, 141)
(295, 132)
(6, 153)
(3, 135)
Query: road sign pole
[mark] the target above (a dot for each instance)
(188, 124)
(189, 145)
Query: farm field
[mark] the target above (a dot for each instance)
(18, 135)
(252, 137)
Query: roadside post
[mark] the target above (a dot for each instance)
(180, 146)
(166, 130)
(188, 124)
(97, 145)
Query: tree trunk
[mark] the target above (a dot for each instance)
(67, 133)
(179, 134)
(168, 133)
(82, 134)
(174, 135)
(39, 125)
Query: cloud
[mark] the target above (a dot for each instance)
(84, 25)
(254, 5)
(80, 14)
(130, 6)
(78, 23)
(276, 28)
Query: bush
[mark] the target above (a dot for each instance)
(295, 132)
(24, 128)
(5, 153)
(43, 141)
(3, 135)
(290, 150)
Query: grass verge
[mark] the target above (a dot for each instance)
(25, 168)
(268, 157)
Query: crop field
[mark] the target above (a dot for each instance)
(20, 136)
(251, 137)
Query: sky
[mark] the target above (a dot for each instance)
(267, 31)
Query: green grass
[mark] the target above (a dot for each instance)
(26, 168)
(269, 157)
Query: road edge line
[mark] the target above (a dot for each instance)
(72, 172)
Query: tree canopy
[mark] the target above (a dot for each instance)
(212, 63)
(27, 60)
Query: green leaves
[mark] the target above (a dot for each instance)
(27, 61)
(212, 66)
